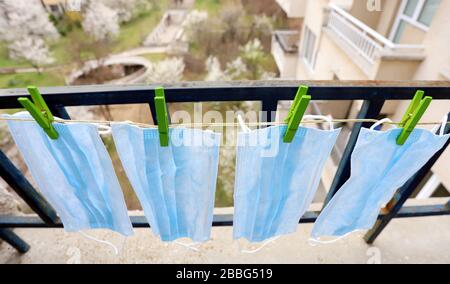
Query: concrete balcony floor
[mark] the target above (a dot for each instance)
(414, 240)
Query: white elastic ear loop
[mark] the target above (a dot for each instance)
(314, 242)
(188, 246)
(103, 129)
(327, 118)
(242, 124)
(271, 240)
(444, 123)
(380, 122)
(440, 127)
(116, 251)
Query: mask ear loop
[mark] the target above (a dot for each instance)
(327, 118)
(380, 122)
(269, 241)
(440, 127)
(314, 242)
(244, 127)
(116, 251)
(103, 129)
(444, 123)
(188, 246)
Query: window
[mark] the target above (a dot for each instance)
(309, 43)
(428, 11)
(410, 8)
(400, 29)
(418, 13)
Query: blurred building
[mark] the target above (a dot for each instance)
(54, 7)
(369, 40)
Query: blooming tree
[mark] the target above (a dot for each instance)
(235, 70)
(194, 18)
(100, 21)
(20, 18)
(263, 25)
(31, 49)
(253, 54)
(214, 69)
(168, 70)
(24, 26)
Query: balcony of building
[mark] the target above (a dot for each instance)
(285, 52)
(377, 56)
(293, 8)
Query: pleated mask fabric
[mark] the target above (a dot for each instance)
(378, 168)
(74, 173)
(176, 184)
(276, 181)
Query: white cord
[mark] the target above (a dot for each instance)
(116, 251)
(6, 117)
(188, 246)
(103, 129)
(327, 118)
(313, 242)
(380, 122)
(444, 123)
(271, 240)
(242, 124)
(440, 127)
(435, 129)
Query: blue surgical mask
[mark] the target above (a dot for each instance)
(175, 184)
(74, 173)
(378, 168)
(276, 181)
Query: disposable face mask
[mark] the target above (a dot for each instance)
(378, 168)
(74, 173)
(175, 184)
(276, 181)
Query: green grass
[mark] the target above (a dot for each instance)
(154, 57)
(134, 32)
(61, 49)
(24, 79)
(5, 61)
(223, 198)
(211, 6)
(269, 64)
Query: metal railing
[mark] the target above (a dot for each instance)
(269, 93)
(366, 42)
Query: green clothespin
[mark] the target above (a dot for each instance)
(39, 111)
(296, 113)
(162, 117)
(413, 114)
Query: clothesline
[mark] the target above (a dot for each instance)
(212, 124)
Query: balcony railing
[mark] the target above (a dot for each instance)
(288, 40)
(293, 8)
(366, 42)
(285, 52)
(269, 93)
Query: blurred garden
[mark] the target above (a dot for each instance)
(139, 42)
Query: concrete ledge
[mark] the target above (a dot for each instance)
(412, 240)
(418, 240)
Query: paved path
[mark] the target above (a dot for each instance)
(141, 51)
